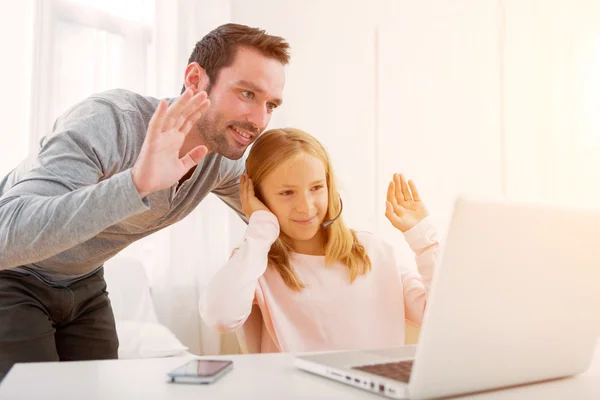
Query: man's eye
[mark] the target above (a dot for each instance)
(271, 106)
(247, 94)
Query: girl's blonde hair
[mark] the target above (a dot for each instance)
(341, 245)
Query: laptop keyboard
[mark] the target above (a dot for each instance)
(399, 371)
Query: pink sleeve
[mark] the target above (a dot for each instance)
(226, 302)
(424, 241)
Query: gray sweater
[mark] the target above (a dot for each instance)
(73, 205)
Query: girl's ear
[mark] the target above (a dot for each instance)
(258, 194)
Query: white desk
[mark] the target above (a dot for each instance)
(266, 376)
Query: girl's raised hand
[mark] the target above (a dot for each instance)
(404, 207)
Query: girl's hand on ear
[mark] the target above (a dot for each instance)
(404, 207)
(250, 202)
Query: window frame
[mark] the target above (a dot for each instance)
(137, 38)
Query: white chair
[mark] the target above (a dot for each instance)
(140, 333)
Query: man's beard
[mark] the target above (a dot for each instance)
(214, 132)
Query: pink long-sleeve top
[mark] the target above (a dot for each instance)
(330, 313)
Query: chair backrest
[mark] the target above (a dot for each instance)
(250, 334)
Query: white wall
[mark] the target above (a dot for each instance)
(330, 86)
(551, 100)
(439, 83)
(16, 35)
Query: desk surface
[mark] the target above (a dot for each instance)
(262, 376)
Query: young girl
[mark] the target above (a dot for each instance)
(296, 284)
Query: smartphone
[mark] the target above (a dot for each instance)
(200, 371)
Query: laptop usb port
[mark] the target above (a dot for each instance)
(381, 388)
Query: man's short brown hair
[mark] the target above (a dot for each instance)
(217, 49)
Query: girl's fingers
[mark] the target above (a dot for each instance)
(405, 191)
(415, 192)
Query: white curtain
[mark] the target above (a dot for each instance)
(16, 41)
(180, 259)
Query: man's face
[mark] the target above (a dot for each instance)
(243, 98)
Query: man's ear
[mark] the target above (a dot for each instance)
(195, 78)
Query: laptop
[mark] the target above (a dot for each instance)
(515, 300)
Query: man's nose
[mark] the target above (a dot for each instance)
(259, 117)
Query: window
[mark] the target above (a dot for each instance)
(84, 47)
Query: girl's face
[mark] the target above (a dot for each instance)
(296, 192)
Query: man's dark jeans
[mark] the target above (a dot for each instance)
(40, 322)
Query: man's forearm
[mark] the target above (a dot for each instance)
(35, 227)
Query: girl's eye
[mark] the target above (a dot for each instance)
(286, 193)
(317, 187)
(247, 94)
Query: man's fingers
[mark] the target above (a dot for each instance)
(182, 108)
(181, 115)
(193, 157)
(179, 106)
(156, 122)
(186, 127)
(193, 106)
(184, 112)
(194, 102)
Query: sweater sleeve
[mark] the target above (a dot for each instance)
(74, 190)
(423, 239)
(229, 190)
(226, 302)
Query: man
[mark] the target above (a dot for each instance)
(117, 167)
